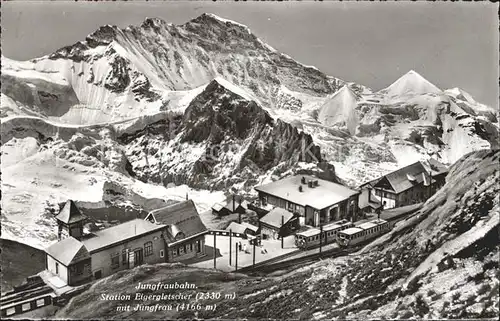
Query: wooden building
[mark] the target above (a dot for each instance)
(317, 201)
(185, 232)
(408, 185)
(277, 223)
(232, 207)
(169, 234)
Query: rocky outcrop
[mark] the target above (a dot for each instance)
(223, 138)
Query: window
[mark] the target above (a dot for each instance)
(181, 248)
(162, 254)
(148, 248)
(191, 247)
(185, 248)
(57, 268)
(198, 246)
(26, 307)
(178, 251)
(115, 260)
(124, 256)
(174, 253)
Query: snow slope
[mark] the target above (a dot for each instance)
(340, 109)
(410, 83)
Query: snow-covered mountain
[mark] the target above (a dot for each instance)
(410, 83)
(156, 110)
(340, 110)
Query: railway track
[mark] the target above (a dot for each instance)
(281, 262)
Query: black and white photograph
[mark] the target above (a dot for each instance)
(249, 160)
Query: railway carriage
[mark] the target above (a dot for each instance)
(363, 232)
(311, 237)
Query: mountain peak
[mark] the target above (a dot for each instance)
(215, 18)
(411, 82)
(233, 88)
(152, 22)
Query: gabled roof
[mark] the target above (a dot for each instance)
(319, 197)
(250, 226)
(217, 207)
(237, 228)
(120, 233)
(436, 168)
(405, 178)
(274, 217)
(68, 250)
(70, 213)
(236, 204)
(400, 180)
(183, 215)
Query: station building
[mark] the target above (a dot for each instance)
(169, 234)
(315, 200)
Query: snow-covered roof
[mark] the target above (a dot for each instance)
(274, 217)
(217, 207)
(235, 204)
(182, 215)
(68, 250)
(405, 178)
(319, 197)
(236, 228)
(250, 226)
(120, 233)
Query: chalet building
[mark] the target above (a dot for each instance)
(80, 257)
(317, 201)
(277, 223)
(185, 232)
(408, 185)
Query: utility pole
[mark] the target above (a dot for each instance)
(430, 177)
(281, 230)
(215, 250)
(320, 238)
(236, 267)
(230, 241)
(254, 241)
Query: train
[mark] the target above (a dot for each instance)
(362, 232)
(310, 238)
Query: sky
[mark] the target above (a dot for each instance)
(371, 43)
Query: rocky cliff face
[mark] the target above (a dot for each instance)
(221, 139)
